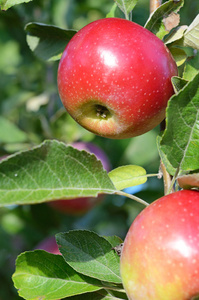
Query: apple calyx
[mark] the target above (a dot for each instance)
(102, 111)
(95, 111)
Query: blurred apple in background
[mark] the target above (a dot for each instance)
(49, 244)
(3, 157)
(79, 206)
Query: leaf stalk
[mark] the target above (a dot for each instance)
(137, 199)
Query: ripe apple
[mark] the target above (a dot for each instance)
(160, 256)
(81, 205)
(114, 78)
(49, 244)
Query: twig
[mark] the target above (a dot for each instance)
(166, 178)
(171, 188)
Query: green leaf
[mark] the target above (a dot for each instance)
(5, 4)
(164, 18)
(126, 6)
(113, 240)
(111, 14)
(179, 143)
(46, 41)
(100, 295)
(42, 275)
(175, 35)
(191, 67)
(90, 254)
(51, 171)
(191, 36)
(127, 176)
(178, 83)
(10, 133)
(178, 54)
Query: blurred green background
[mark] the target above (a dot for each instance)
(31, 111)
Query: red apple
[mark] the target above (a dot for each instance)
(81, 205)
(114, 78)
(160, 256)
(49, 244)
(3, 157)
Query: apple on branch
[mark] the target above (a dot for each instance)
(79, 206)
(114, 78)
(160, 256)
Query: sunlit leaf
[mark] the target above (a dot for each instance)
(42, 275)
(191, 67)
(175, 34)
(191, 36)
(111, 13)
(158, 20)
(5, 4)
(127, 176)
(51, 171)
(179, 144)
(179, 55)
(178, 83)
(126, 6)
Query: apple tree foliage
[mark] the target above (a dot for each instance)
(39, 168)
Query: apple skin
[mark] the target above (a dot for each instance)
(114, 78)
(3, 157)
(160, 257)
(80, 206)
(49, 244)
